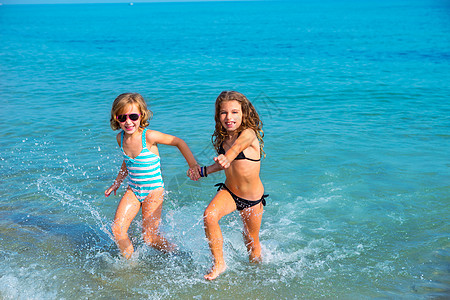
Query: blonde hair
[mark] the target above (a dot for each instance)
(250, 119)
(124, 100)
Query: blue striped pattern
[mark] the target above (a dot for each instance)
(144, 171)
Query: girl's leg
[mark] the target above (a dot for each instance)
(151, 217)
(222, 204)
(126, 211)
(251, 217)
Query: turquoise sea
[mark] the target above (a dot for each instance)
(355, 100)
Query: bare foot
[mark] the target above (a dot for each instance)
(160, 243)
(255, 260)
(216, 270)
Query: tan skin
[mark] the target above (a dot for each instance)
(129, 205)
(242, 178)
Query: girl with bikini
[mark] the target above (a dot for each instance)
(238, 141)
(141, 163)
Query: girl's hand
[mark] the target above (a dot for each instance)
(112, 188)
(223, 161)
(194, 173)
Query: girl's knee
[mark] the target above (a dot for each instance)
(117, 230)
(210, 217)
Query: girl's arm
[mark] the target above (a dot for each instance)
(244, 141)
(215, 167)
(118, 181)
(223, 161)
(197, 172)
(157, 137)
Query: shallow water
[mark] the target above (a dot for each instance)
(355, 103)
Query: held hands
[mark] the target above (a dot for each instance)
(194, 173)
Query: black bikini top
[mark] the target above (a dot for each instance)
(240, 155)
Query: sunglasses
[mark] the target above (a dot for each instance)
(132, 117)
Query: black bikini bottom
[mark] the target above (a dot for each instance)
(242, 203)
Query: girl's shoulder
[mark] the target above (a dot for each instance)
(248, 133)
(149, 133)
(152, 135)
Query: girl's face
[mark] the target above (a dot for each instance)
(230, 115)
(128, 115)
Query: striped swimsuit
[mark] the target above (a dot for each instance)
(144, 171)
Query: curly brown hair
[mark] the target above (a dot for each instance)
(250, 119)
(123, 101)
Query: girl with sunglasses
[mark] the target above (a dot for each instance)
(238, 141)
(139, 147)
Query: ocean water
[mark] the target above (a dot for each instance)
(355, 100)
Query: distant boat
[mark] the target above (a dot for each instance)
(131, 3)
